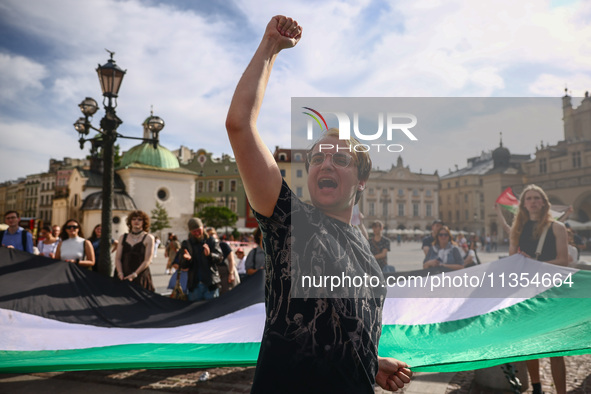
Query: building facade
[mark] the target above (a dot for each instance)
(218, 180)
(46, 194)
(564, 170)
(400, 198)
(292, 164)
(468, 194)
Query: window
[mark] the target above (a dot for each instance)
(428, 193)
(577, 159)
(282, 157)
(543, 166)
(220, 186)
(400, 192)
(283, 173)
(428, 210)
(232, 185)
(467, 215)
(298, 157)
(200, 187)
(465, 197)
(400, 209)
(372, 209)
(415, 210)
(299, 192)
(457, 216)
(162, 194)
(299, 173)
(209, 186)
(233, 206)
(415, 193)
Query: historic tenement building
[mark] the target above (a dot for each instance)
(292, 164)
(564, 170)
(468, 194)
(400, 198)
(218, 179)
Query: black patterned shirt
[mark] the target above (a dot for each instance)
(317, 339)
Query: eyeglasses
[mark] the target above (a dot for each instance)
(71, 227)
(443, 235)
(11, 217)
(338, 159)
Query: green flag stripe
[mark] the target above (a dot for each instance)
(534, 328)
(157, 356)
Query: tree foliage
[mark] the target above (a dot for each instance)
(201, 202)
(159, 219)
(217, 217)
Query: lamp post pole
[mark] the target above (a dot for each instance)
(110, 77)
(109, 124)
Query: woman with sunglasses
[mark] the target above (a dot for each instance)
(48, 246)
(444, 252)
(74, 248)
(321, 341)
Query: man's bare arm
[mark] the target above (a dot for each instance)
(258, 169)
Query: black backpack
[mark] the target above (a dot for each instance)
(23, 234)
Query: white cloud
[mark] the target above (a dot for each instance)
(545, 84)
(19, 77)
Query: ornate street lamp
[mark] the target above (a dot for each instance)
(110, 77)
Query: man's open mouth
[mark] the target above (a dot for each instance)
(327, 183)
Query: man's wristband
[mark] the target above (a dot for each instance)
(77, 262)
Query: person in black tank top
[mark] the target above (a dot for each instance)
(135, 253)
(528, 225)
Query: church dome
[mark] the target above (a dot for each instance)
(501, 156)
(146, 154)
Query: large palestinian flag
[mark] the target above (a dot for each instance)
(57, 317)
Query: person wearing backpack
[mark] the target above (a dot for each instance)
(15, 236)
(200, 255)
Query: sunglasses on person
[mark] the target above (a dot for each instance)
(338, 159)
(71, 227)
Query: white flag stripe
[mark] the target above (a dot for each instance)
(24, 332)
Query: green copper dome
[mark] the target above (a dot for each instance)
(148, 155)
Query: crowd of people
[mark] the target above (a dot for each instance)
(310, 344)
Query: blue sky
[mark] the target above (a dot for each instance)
(185, 58)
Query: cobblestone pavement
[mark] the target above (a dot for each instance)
(578, 378)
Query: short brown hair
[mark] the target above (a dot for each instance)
(9, 212)
(139, 214)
